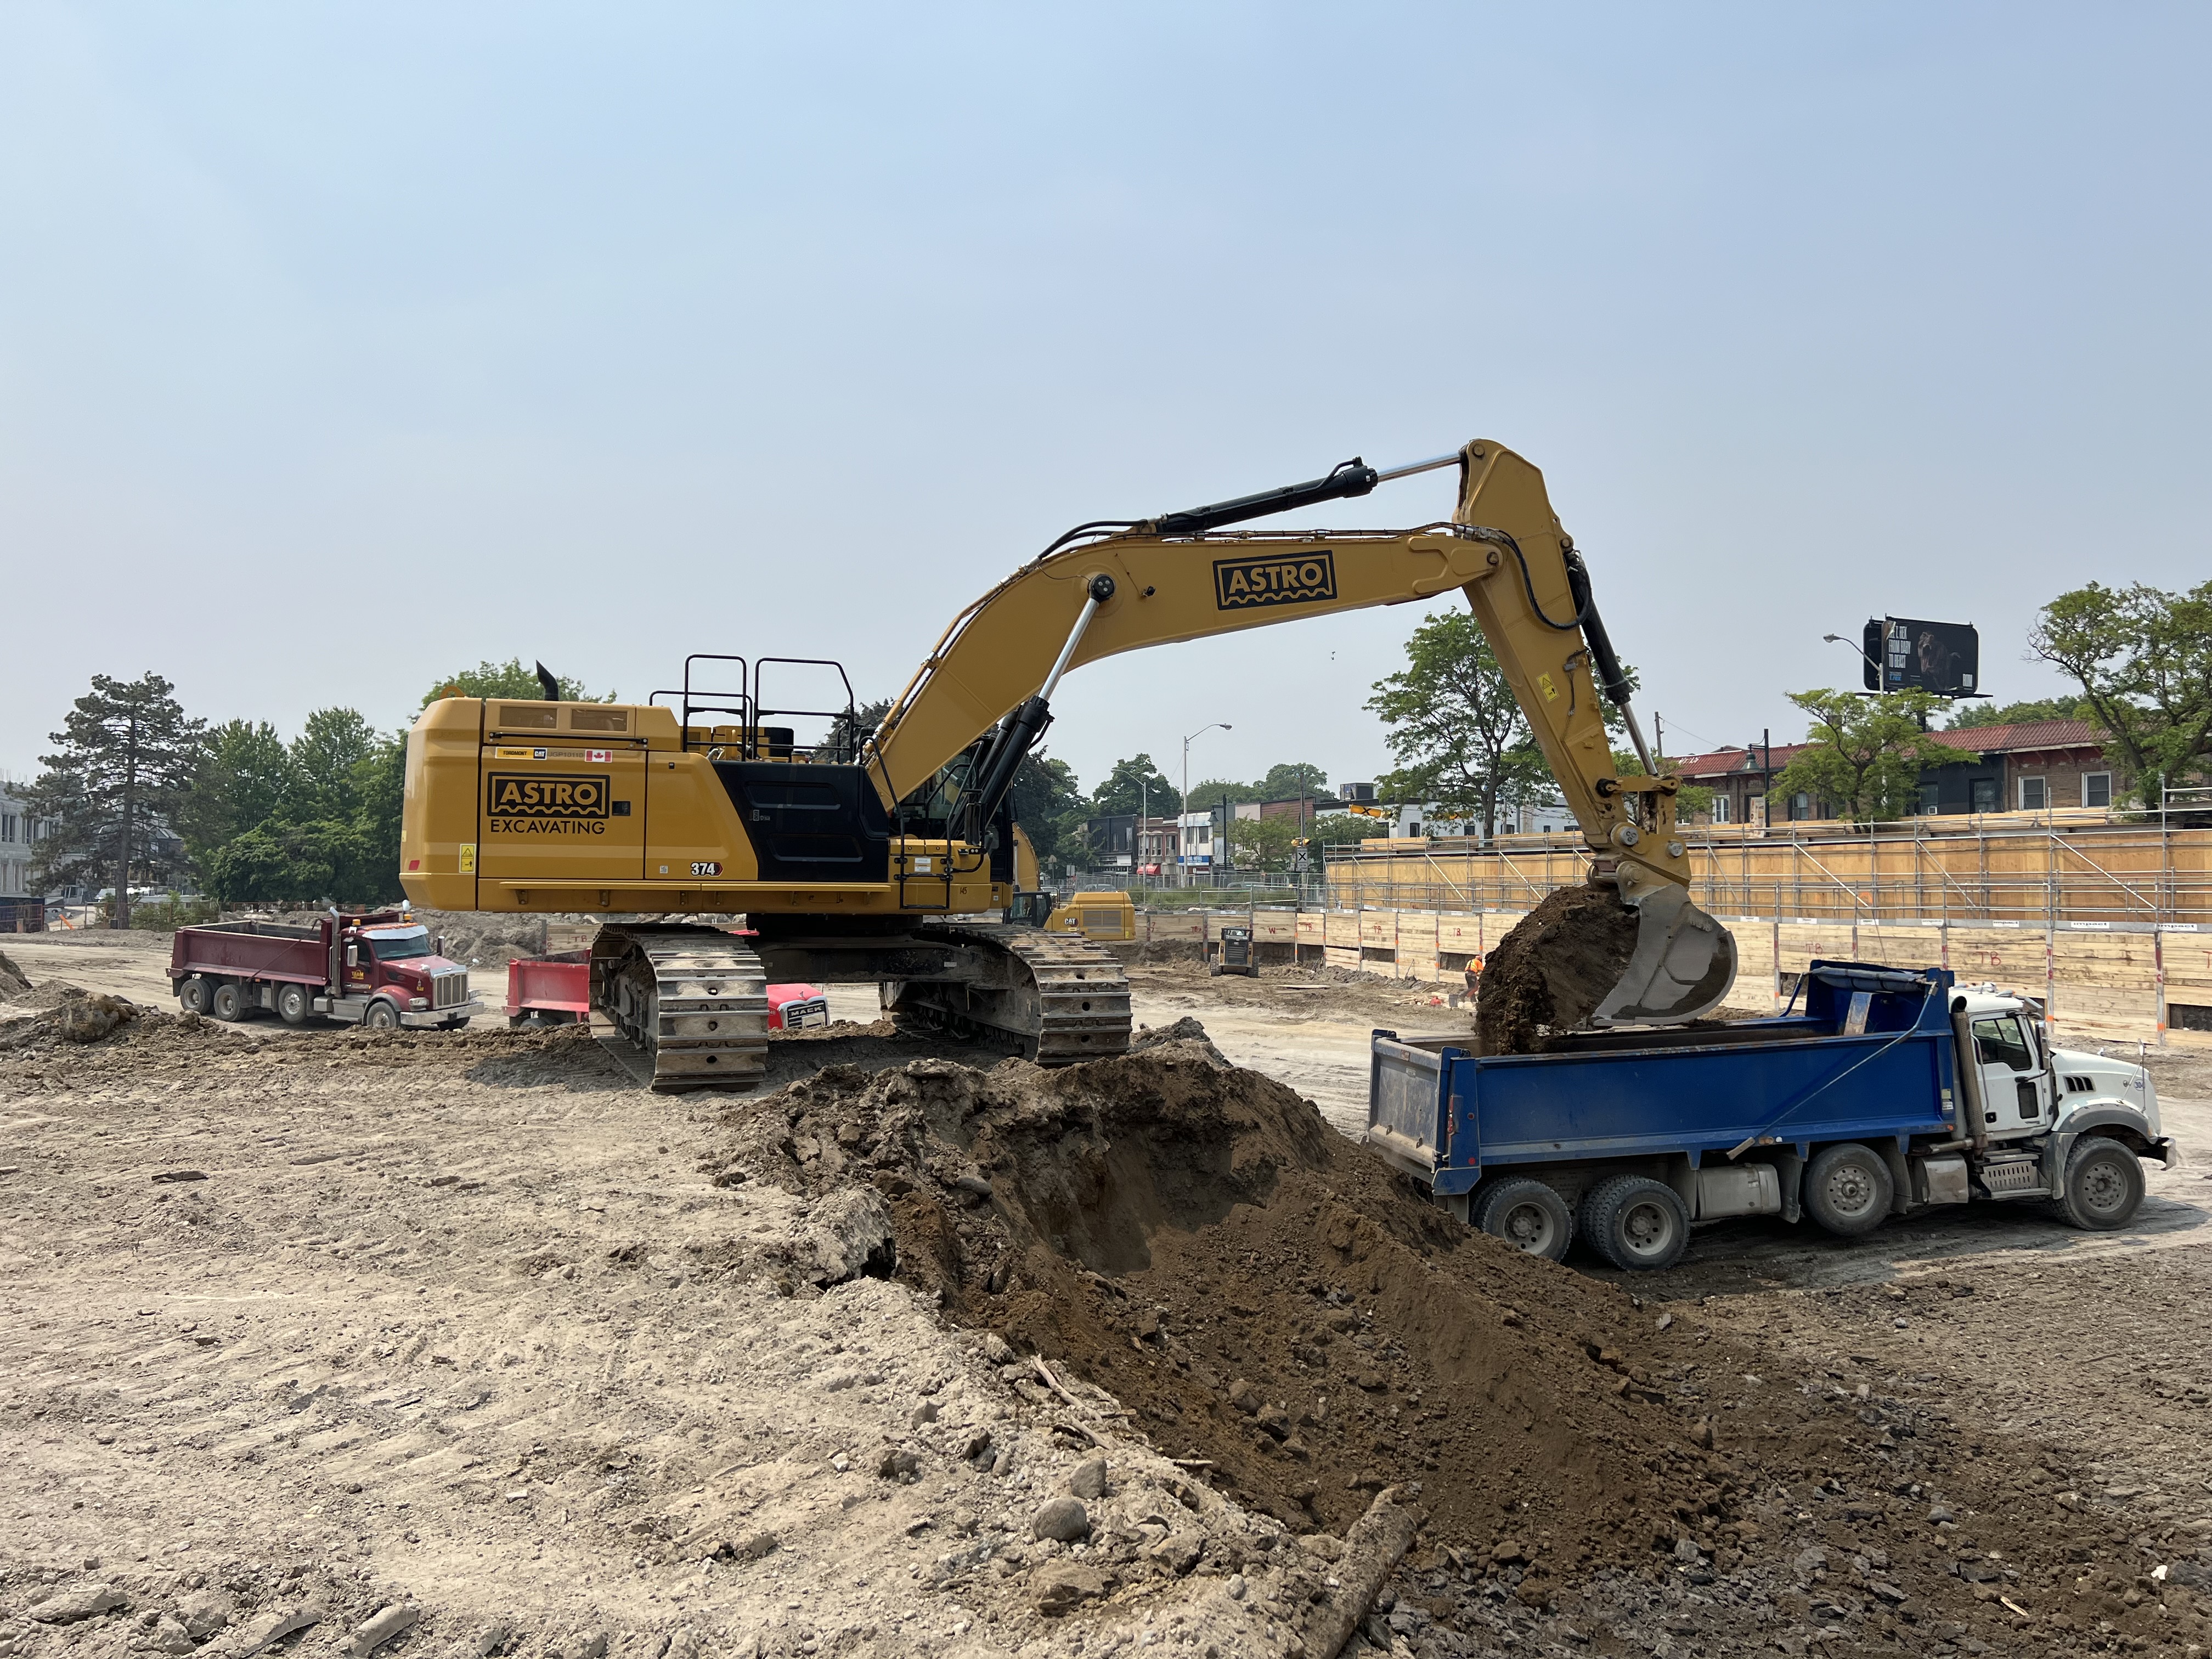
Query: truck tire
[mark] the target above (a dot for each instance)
(380, 1015)
(1637, 1223)
(1528, 1215)
(192, 995)
(1848, 1189)
(293, 1005)
(2104, 1184)
(229, 1002)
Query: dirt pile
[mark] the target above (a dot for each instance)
(1551, 970)
(14, 981)
(1261, 1293)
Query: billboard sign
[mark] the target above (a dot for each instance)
(1903, 654)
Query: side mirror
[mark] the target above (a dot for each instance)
(438, 943)
(353, 955)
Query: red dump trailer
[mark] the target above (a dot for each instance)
(380, 969)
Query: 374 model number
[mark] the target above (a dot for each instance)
(706, 868)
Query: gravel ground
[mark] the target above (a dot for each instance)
(303, 1325)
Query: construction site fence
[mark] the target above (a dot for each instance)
(2033, 870)
(2099, 983)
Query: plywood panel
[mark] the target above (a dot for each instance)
(1416, 931)
(1174, 924)
(2188, 966)
(2088, 1010)
(1274, 927)
(1459, 933)
(1312, 926)
(1901, 947)
(2008, 955)
(1754, 950)
(1344, 931)
(2115, 961)
(1379, 929)
(1802, 945)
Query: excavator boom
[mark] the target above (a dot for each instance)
(1183, 577)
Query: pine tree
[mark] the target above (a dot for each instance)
(124, 761)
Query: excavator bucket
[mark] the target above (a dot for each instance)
(1627, 951)
(1683, 964)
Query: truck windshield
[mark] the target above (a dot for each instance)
(396, 946)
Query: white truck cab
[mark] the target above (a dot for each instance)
(2027, 1087)
(2049, 1122)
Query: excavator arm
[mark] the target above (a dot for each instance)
(985, 688)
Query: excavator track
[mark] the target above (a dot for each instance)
(694, 999)
(1056, 999)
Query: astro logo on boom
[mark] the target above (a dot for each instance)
(535, 795)
(1279, 578)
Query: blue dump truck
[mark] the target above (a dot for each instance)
(1892, 1090)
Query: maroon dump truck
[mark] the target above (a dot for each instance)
(383, 969)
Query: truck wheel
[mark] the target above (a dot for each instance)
(192, 995)
(381, 1016)
(2104, 1185)
(1528, 1215)
(229, 1002)
(1848, 1189)
(1636, 1223)
(293, 1005)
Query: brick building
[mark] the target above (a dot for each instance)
(2033, 767)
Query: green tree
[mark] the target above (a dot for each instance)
(2020, 713)
(293, 864)
(1343, 829)
(1293, 781)
(1120, 794)
(1864, 754)
(323, 756)
(508, 679)
(1263, 843)
(1047, 802)
(123, 765)
(242, 778)
(380, 780)
(1454, 726)
(1214, 791)
(2143, 659)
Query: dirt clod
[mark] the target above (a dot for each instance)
(1549, 974)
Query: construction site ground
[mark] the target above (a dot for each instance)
(325, 1342)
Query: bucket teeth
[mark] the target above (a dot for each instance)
(694, 999)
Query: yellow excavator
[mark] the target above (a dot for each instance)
(893, 857)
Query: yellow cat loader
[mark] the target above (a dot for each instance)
(893, 858)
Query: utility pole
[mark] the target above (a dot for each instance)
(1659, 738)
(1184, 868)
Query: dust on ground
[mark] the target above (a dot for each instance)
(1551, 971)
(1275, 1308)
(467, 1324)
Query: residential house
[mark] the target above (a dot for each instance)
(2031, 767)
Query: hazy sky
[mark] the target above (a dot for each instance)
(343, 346)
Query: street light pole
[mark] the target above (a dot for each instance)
(1180, 865)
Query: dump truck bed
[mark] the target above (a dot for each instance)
(1870, 1060)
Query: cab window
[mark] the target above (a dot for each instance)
(2002, 1039)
